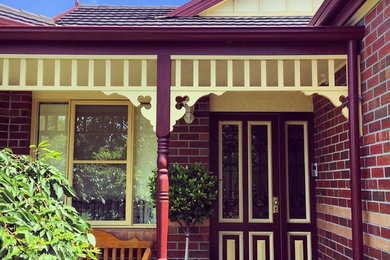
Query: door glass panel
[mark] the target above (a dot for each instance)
(230, 171)
(259, 171)
(296, 158)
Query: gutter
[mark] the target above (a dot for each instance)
(181, 33)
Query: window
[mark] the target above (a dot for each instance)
(108, 155)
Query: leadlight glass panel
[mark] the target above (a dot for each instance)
(259, 164)
(296, 171)
(230, 171)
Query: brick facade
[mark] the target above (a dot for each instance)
(375, 78)
(15, 120)
(331, 153)
(332, 185)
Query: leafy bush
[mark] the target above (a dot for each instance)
(35, 223)
(192, 194)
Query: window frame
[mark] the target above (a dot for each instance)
(129, 161)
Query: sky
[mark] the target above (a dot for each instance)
(52, 8)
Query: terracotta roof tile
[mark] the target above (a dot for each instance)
(24, 17)
(89, 15)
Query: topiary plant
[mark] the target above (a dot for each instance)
(192, 194)
(35, 223)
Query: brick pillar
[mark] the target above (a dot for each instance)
(189, 143)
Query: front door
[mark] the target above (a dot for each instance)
(264, 208)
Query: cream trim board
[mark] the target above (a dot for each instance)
(308, 242)
(241, 242)
(271, 243)
(270, 181)
(307, 173)
(220, 172)
(362, 12)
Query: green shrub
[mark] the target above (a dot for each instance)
(192, 194)
(35, 223)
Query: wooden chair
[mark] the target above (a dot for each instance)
(108, 243)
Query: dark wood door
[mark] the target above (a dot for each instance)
(263, 210)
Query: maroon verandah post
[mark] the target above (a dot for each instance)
(162, 131)
(354, 151)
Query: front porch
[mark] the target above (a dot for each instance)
(166, 86)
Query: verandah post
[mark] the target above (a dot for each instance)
(162, 131)
(354, 151)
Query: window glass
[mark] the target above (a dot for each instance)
(100, 136)
(100, 132)
(53, 125)
(144, 163)
(100, 165)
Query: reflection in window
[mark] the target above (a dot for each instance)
(144, 163)
(101, 136)
(53, 121)
(230, 171)
(101, 191)
(100, 132)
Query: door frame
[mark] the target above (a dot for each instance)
(278, 137)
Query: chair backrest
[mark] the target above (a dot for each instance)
(113, 248)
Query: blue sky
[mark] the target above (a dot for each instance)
(52, 8)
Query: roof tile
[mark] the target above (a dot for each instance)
(103, 15)
(24, 17)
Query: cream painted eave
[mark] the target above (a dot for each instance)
(230, 8)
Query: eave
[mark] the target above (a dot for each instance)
(335, 12)
(182, 34)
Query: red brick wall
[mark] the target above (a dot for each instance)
(332, 185)
(188, 144)
(375, 69)
(331, 153)
(15, 120)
